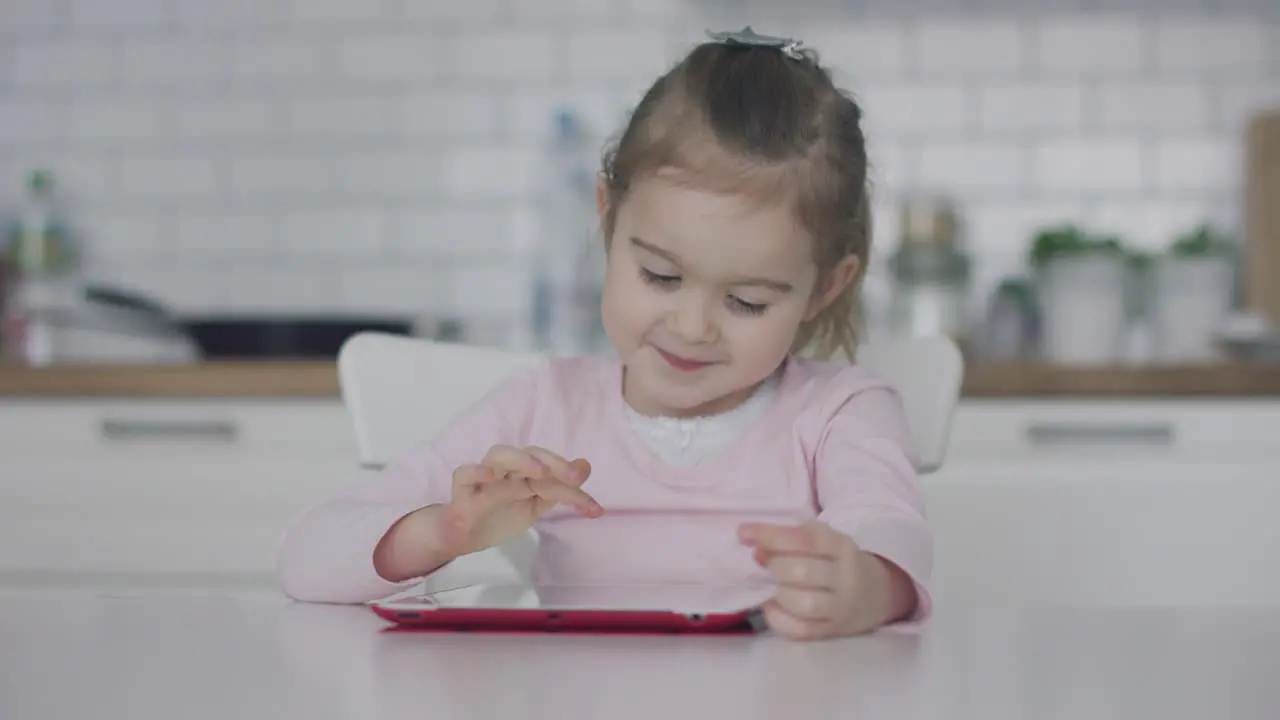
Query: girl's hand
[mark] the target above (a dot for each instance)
(827, 587)
(506, 493)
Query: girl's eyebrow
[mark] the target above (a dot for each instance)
(775, 285)
(665, 254)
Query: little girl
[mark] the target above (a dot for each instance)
(735, 215)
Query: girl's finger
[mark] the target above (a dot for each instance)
(802, 571)
(814, 539)
(806, 604)
(560, 467)
(553, 491)
(789, 626)
(761, 557)
(495, 494)
(469, 478)
(507, 459)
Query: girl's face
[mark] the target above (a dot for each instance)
(703, 295)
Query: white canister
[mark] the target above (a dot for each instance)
(1191, 299)
(1083, 312)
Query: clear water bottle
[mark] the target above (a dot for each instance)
(42, 279)
(568, 275)
(38, 242)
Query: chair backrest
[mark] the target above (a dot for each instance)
(928, 373)
(401, 390)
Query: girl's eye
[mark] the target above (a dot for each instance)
(746, 308)
(662, 281)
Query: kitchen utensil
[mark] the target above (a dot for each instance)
(280, 336)
(56, 321)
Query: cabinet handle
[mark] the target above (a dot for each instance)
(200, 430)
(1068, 433)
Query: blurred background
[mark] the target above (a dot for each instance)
(1085, 194)
(1078, 181)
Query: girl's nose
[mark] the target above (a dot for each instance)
(694, 323)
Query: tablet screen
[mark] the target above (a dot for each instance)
(705, 599)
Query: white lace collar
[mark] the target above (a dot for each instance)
(685, 442)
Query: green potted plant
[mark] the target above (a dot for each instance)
(1193, 284)
(1068, 242)
(1082, 288)
(1205, 241)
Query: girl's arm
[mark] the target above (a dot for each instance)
(377, 537)
(868, 489)
(891, 592)
(411, 548)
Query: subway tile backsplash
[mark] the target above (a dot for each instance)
(381, 154)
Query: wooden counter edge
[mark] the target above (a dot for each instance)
(1022, 380)
(271, 379)
(319, 379)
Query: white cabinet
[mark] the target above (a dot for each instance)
(1110, 502)
(177, 486)
(1085, 501)
(1064, 432)
(1087, 441)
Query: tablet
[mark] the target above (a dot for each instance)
(583, 608)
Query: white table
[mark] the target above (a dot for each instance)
(144, 652)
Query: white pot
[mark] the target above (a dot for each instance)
(1083, 310)
(1191, 299)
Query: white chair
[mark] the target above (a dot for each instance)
(400, 390)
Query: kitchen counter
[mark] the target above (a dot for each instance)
(1021, 380)
(266, 379)
(146, 654)
(281, 379)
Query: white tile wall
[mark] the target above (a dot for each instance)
(276, 60)
(231, 235)
(1093, 46)
(988, 48)
(508, 56)
(1197, 164)
(95, 16)
(31, 15)
(183, 64)
(319, 13)
(1030, 109)
(1209, 46)
(388, 57)
(381, 154)
(98, 122)
(983, 166)
(1136, 105)
(60, 62)
(861, 50)
(167, 178)
(232, 15)
(915, 108)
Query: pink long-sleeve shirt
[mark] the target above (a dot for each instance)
(832, 445)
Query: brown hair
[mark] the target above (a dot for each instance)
(752, 119)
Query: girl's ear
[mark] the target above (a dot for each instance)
(602, 198)
(836, 282)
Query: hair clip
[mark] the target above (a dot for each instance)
(790, 47)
